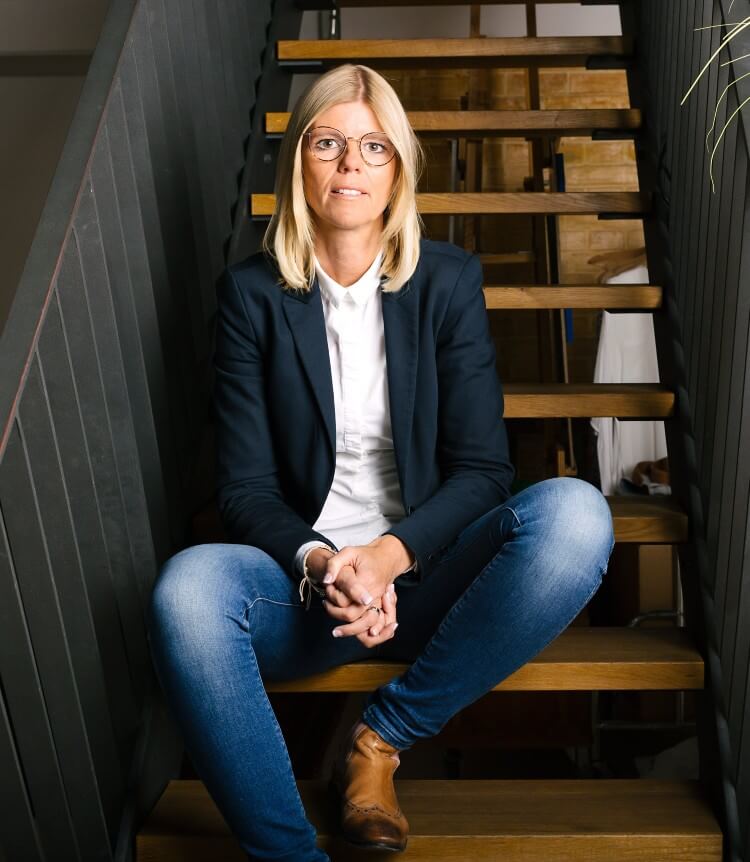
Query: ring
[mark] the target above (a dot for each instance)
(373, 608)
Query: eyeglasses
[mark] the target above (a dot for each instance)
(327, 144)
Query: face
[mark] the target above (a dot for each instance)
(331, 211)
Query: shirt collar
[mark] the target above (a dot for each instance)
(360, 291)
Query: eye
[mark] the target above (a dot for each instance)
(375, 145)
(322, 143)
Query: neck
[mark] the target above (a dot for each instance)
(347, 255)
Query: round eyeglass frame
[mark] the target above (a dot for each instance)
(347, 139)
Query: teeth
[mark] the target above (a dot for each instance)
(350, 192)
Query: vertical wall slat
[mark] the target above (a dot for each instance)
(46, 620)
(143, 366)
(207, 136)
(36, 821)
(19, 838)
(88, 518)
(42, 440)
(107, 432)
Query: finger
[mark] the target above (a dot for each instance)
(336, 597)
(386, 634)
(348, 582)
(386, 617)
(353, 611)
(337, 593)
(357, 626)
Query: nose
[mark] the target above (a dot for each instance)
(351, 156)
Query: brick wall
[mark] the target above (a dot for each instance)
(589, 166)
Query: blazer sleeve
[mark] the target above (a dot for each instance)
(472, 438)
(249, 497)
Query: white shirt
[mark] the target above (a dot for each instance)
(365, 499)
(626, 354)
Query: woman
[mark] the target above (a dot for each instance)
(361, 456)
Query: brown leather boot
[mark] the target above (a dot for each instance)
(363, 778)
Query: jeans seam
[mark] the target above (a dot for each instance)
(249, 606)
(272, 601)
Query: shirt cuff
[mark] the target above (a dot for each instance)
(299, 557)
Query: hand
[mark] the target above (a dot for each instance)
(367, 631)
(346, 599)
(376, 565)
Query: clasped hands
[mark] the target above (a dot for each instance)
(363, 576)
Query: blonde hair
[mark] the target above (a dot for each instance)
(289, 238)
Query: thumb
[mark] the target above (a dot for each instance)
(333, 566)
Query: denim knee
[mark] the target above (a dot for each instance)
(576, 514)
(184, 590)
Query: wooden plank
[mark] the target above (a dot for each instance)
(512, 203)
(454, 53)
(504, 258)
(502, 123)
(309, 4)
(77, 818)
(559, 820)
(623, 400)
(20, 824)
(582, 658)
(67, 411)
(32, 830)
(648, 519)
(642, 296)
(100, 350)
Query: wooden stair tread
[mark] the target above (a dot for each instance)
(518, 203)
(463, 52)
(648, 518)
(518, 296)
(309, 4)
(625, 400)
(506, 257)
(582, 658)
(568, 122)
(557, 820)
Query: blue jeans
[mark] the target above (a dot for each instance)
(224, 618)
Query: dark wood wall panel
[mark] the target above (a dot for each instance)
(107, 427)
(707, 234)
(49, 609)
(18, 834)
(106, 413)
(96, 565)
(36, 822)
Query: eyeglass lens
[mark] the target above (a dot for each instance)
(328, 143)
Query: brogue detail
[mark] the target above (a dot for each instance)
(363, 777)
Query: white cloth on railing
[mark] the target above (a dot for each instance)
(626, 354)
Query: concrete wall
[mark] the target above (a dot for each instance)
(50, 25)
(35, 115)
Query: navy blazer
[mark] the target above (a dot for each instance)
(274, 408)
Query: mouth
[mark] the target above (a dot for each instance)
(348, 194)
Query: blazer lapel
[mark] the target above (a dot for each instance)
(304, 313)
(401, 326)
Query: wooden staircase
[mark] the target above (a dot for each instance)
(512, 820)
